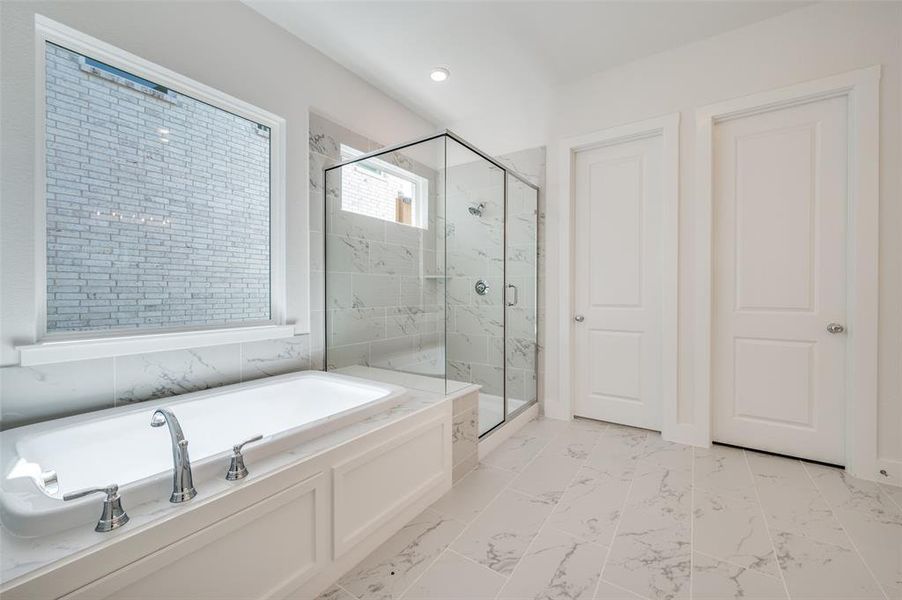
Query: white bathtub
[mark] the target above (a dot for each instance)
(119, 445)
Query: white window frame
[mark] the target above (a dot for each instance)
(70, 346)
(421, 185)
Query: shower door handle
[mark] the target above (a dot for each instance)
(516, 300)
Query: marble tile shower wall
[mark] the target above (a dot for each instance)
(525, 247)
(475, 252)
(521, 349)
(475, 323)
(384, 302)
(530, 164)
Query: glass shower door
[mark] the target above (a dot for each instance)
(521, 295)
(474, 189)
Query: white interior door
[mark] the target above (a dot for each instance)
(617, 282)
(780, 202)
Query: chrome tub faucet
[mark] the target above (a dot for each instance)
(182, 482)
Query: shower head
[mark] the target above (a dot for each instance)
(476, 210)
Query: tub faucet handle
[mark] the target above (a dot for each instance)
(237, 470)
(113, 515)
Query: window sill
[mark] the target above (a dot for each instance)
(50, 352)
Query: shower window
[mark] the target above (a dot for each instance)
(376, 188)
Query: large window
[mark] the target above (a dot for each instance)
(158, 205)
(376, 188)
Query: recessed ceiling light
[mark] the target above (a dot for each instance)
(439, 74)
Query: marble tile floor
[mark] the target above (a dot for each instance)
(587, 510)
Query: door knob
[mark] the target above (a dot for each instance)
(835, 328)
(579, 318)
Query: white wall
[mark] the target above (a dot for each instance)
(805, 44)
(505, 128)
(224, 45)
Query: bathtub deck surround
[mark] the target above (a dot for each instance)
(590, 510)
(311, 485)
(465, 407)
(465, 434)
(120, 445)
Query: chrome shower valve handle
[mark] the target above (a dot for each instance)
(237, 470)
(113, 515)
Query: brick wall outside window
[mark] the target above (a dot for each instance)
(373, 188)
(367, 194)
(157, 206)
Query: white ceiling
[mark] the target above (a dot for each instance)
(498, 52)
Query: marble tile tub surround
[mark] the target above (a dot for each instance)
(585, 510)
(465, 434)
(31, 394)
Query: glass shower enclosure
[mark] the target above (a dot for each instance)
(431, 270)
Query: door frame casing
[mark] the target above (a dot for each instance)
(861, 89)
(668, 128)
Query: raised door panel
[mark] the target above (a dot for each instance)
(774, 381)
(615, 205)
(617, 356)
(775, 192)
